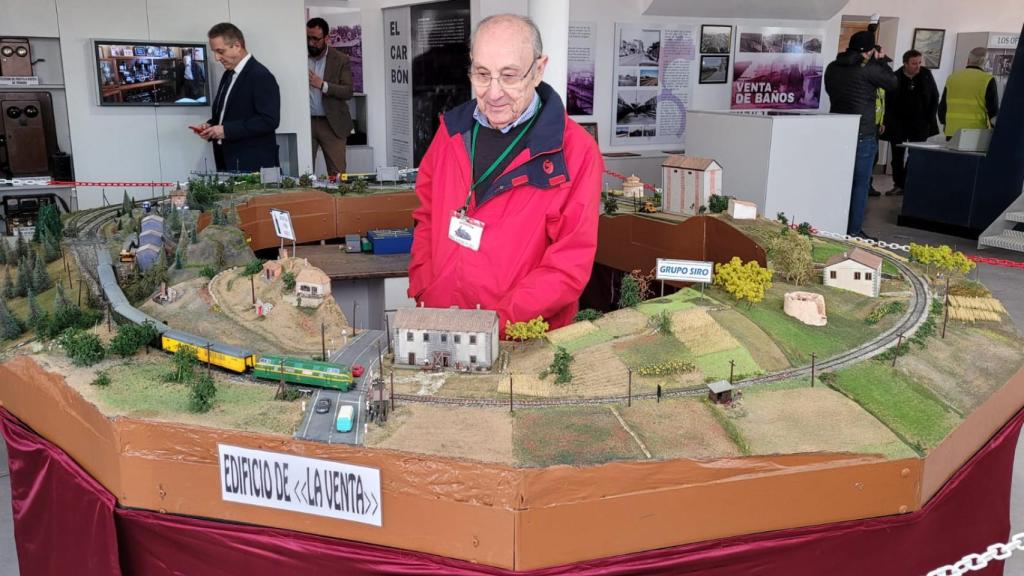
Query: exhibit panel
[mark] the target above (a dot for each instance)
(798, 164)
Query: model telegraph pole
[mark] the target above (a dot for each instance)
(629, 389)
(732, 368)
(252, 284)
(813, 358)
(896, 350)
(510, 393)
(945, 308)
(323, 342)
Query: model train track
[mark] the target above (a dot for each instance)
(908, 324)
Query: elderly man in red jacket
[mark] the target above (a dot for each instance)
(509, 190)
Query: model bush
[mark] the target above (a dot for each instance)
(208, 272)
(718, 203)
(588, 314)
(781, 217)
(804, 229)
(83, 348)
(611, 204)
(255, 266)
(201, 394)
(663, 323)
(560, 366)
(130, 337)
(288, 182)
(629, 292)
(884, 309)
(522, 331)
(743, 281)
(289, 280)
(791, 257)
(305, 181)
(102, 379)
(65, 315)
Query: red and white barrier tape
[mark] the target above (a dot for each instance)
(112, 184)
(622, 177)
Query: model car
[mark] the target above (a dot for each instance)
(344, 421)
(323, 406)
(357, 370)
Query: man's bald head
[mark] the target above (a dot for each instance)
(977, 57)
(531, 33)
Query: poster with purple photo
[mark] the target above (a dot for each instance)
(777, 69)
(580, 86)
(349, 39)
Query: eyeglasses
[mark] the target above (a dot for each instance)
(506, 80)
(314, 39)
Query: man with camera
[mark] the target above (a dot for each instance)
(852, 82)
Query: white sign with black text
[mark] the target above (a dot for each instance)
(300, 484)
(283, 224)
(685, 270)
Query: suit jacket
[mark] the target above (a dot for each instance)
(251, 115)
(338, 75)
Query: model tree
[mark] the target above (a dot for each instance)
(201, 394)
(743, 281)
(791, 256)
(718, 203)
(611, 204)
(21, 248)
(941, 258)
(51, 248)
(629, 292)
(9, 289)
(24, 281)
(126, 203)
(10, 327)
(41, 280)
(35, 313)
(48, 225)
(3, 251)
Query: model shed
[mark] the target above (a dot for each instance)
(858, 271)
(446, 337)
(688, 183)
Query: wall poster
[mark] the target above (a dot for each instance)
(580, 86)
(777, 68)
(652, 83)
(346, 34)
(426, 61)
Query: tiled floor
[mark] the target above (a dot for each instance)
(1005, 283)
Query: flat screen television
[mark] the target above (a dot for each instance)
(131, 73)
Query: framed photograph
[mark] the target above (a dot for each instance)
(591, 128)
(714, 69)
(928, 41)
(715, 39)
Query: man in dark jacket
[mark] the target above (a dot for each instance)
(852, 82)
(246, 109)
(910, 112)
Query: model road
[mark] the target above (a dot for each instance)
(362, 349)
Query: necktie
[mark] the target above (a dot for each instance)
(222, 93)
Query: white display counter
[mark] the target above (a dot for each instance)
(800, 164)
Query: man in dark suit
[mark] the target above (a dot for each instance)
(192, 76)
(246, 109)
(330, 85)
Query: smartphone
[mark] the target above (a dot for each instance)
(196, 129)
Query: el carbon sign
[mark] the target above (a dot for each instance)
(300, 484)
(685, 270)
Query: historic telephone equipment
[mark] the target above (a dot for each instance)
(15, 57)
(27, 137)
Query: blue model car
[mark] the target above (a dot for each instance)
(344, 421)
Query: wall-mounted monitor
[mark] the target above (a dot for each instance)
(131, 73)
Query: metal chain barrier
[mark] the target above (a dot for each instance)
(972, 562)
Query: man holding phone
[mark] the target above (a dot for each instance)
(246, 110)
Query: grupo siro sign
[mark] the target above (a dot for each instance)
(300, 484)
(685, 270)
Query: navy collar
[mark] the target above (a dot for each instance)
(546, 135)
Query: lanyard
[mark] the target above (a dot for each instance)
(472, 155)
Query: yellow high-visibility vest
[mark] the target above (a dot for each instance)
(965, 100)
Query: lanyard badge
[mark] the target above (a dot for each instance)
(465, 231)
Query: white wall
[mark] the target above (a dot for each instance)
(154, 144)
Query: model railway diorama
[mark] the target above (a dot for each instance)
(832, 374)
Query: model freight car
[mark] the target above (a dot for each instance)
(298, 371)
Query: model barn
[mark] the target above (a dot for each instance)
(446, 337)
(858, 271)
(688, 182)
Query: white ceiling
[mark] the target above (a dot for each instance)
(774, 9)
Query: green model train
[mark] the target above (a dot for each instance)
(298, 371)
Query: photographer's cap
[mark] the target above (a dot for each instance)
(863, 41)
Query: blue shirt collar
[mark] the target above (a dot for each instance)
(530, 111)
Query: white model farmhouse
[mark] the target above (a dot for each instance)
(688, 182)
(857, 271)
(446, 337)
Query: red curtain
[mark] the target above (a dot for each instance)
(66, 523)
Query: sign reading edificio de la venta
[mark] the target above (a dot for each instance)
(300, 484)
(684, 270)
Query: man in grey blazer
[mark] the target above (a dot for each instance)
(330, 85)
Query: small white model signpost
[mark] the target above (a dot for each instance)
(696, 271)
(283, 226)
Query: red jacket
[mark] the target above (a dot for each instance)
(540, 217)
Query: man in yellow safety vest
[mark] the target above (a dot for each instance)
(970, 99)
